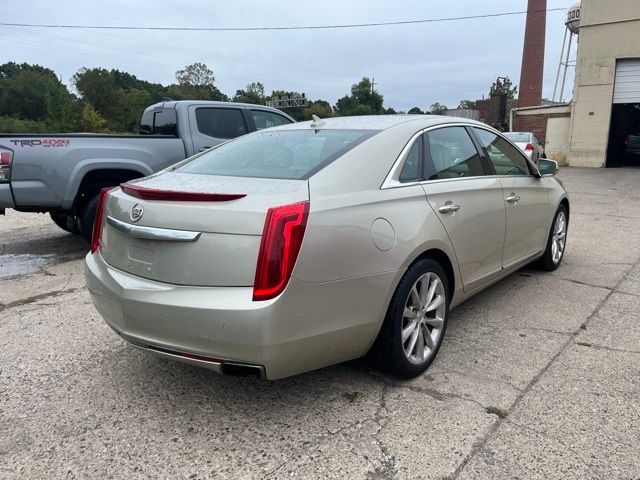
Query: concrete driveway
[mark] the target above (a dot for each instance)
(538, 377)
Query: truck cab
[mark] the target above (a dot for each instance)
(205, 124)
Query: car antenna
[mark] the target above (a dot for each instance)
(317, 122)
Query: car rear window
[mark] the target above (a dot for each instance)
(518, 137)
(283, 154)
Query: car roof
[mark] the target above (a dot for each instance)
(378, 122)
(212, 103)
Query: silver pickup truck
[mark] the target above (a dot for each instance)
(63, 173)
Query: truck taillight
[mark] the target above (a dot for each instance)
(97, 221)
(281, 241)
(6, 157)
(529, 148)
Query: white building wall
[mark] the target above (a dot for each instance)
(609, 30)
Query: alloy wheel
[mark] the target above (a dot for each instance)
(423, 318)
(559, 238)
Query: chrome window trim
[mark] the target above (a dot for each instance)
(533, 170)
(152, 233)
(392, 178)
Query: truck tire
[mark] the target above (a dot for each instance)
(87, 216)
(65, 221)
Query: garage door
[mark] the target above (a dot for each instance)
(627, 87)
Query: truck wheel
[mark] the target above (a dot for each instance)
(87, 216)
(65, 221)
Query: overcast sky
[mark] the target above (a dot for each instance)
(413, 65)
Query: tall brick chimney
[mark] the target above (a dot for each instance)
(530, 88)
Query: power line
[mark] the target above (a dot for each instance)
(255, 29)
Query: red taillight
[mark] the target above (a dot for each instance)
(155, 194)
(97, 221)
(279, 248)
(5, 158)
(529, 148)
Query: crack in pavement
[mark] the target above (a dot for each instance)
(605, 347)
(40, 296)
(387, 469)
(570, 341)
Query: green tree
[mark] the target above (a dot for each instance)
(468, 104)
(503, 85)
(415, 111)
(196, 74)
(98, 87)
(92, 121)
(252, 93)
(32, 92)
(195, 82)
(320, 108)
(362, 101)
(16, 125)
(437, 109)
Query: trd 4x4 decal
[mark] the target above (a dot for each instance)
(47, 142)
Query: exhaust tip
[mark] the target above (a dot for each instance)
(241, 370)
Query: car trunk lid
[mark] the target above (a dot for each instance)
(188, 229)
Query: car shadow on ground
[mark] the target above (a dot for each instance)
(172, 388)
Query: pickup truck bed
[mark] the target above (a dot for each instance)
(63, 173)
(47, 170)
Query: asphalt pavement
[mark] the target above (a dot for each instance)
(538, 377)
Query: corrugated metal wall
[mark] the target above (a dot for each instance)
(627, 86)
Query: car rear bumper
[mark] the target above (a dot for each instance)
(308, 326)
(6, 198)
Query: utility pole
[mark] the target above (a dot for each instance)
(372, 84)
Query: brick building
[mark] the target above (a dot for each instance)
(550, 123)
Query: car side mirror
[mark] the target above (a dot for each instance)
(547, 168)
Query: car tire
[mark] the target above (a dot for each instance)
(392, 351)
(556, 242)
(87, 216)
(65, 221)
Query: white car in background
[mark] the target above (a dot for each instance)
(528, 143)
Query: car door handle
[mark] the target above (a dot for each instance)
(449, 207)
(512, 198)
(202, 149)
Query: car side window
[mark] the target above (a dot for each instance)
(220, 122)
(264, 119)
(452, 154)
(505, 158)
(412, 168)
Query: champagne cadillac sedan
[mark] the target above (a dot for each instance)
(309, 244)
